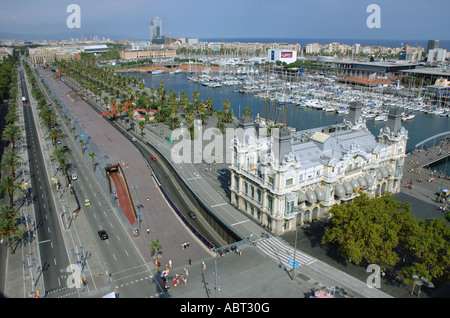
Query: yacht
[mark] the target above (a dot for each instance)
(156, 72)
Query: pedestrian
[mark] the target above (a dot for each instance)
(186, 271)
(203, 266)
(187, 243)
(175, 282)
(148, 231)
(170, 263)
(182, 246)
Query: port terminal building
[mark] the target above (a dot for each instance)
(291, 178)
(366, 69)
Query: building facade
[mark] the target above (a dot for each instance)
(288, 56)
(42, 56)
(140, 54)
(291, 178)
(155, 29)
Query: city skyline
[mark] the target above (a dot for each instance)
(346, 19)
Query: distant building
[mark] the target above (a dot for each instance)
(436, 56)
(432, 44)
(292, 178)
(140, 54)
(156, 31)
(288, 56)
(96, 49)
(312, 48)
(48, 55)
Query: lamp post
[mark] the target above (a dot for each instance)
(420, 283)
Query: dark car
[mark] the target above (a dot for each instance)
(192, 215)
(103, 235)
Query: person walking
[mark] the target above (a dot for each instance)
(170, 263)
(204, 266)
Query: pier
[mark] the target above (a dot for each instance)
(423, 182)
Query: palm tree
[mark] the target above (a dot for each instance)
(226, 106)
(191, 130)
(247, 111)
(92, 154)
(11, 160)
(10, 230)
(81, 144)
(7, 185)
(11, 133)
(155, 246)
(60, 156)
(7, 213)
(54, 134)
(195, 95)
(174, 122)
(106, 100)
(142, 126)
(11, 117)
(209, 104)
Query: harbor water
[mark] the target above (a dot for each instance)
(421, 127)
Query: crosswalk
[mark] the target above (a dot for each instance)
(284, 253)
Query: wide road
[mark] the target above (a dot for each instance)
(53, 254)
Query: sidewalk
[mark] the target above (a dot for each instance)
(319, 273)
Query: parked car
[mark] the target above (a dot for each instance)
(153, 158)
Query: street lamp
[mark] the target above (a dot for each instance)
(422, 281)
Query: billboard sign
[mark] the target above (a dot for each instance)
(286, 55)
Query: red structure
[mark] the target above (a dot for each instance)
(114, 109)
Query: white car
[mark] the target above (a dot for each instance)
(74, 176)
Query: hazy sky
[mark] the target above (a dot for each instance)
(340, 19)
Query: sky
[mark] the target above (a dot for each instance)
(340, 19)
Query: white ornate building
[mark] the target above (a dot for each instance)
(294, 177)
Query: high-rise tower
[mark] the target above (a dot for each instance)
(155, 29)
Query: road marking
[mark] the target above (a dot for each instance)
(220, 204)
(240, 222)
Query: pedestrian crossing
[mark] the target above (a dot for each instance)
(283, 253)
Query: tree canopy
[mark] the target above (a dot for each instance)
(382, 231)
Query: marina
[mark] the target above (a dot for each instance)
(312, 102)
